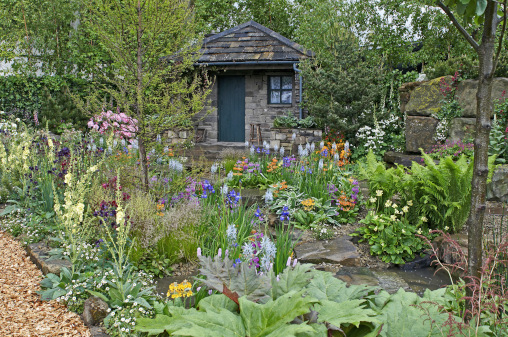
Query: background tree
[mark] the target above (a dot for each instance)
(153, 46)
(490, 16)
(217, 16)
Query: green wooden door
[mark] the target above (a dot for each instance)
(231, 107)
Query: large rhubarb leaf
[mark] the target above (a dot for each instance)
(220, 323)
(216, 302)
(346, 312)
(291, 279)
(324, 286)
(264, 319)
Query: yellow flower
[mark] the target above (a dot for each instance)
(424, 219)
(393, 217)
(388, 203)
(410, 203)
(419, 231)
(405, 209)
(379, 193)
(446, 228)
(372, 200)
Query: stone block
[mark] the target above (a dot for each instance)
(274, 143)
(318, 133)
(461, 129)
(172, 134)
(497, 189)
(184, 134)
(420, 133)
(426, 98)
(466, 94)
(300, 140)
(280, 136)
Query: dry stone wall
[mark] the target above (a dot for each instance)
(420, 100)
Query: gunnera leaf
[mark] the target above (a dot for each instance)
(249, 283)
(346, 312)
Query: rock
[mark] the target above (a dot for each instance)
(340, 250)
(418, 262)
(497, 189)
(407, 160)
(461, 129)
(96, 331)
(38, 253)
(422, 78)
(449, 253)
(466, 94)
(426, 98)
(390, 281)
(420, 133)
(94, 311)
(357, 276)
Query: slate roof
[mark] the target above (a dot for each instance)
(250, 42)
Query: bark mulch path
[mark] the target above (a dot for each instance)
(22, 313)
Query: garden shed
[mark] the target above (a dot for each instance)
(257, 79)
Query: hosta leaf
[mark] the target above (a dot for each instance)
(326, 287)
(263, 319)
(291, 279)
(222, 323)
(348, 312)
(216, 302)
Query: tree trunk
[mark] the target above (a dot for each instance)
(481, 142)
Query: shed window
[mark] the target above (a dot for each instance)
(280, 90)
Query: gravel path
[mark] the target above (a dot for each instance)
(22, 313)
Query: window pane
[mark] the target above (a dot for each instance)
(275, 97)
(286, 96)
(274, 82)
(287, 82)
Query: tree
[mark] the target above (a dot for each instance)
(342, 88)
(153, 47)
(217, 16)
(491, 17)
(48, 36)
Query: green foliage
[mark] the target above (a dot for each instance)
(340, 89)
(382, 182)
(440, 192)
(217, 16)
(499, 142)
(22, 95)
(59, 108)
(467, 64)
(290, 121)
(391, 237)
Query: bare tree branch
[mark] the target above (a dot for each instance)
(457, 25)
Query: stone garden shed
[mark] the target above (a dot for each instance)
(257, 79)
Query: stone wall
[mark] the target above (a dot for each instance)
(179, 136)
(420, 100)
(257, 109)
(282, 137)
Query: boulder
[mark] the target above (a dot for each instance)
(426, 98)
(461, 129)
(466, 94)
(407, 160)
(497, 189)
(340, 250)
(94, 311)
(420, 133)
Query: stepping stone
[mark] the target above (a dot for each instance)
(357, 276)
(338, 251)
